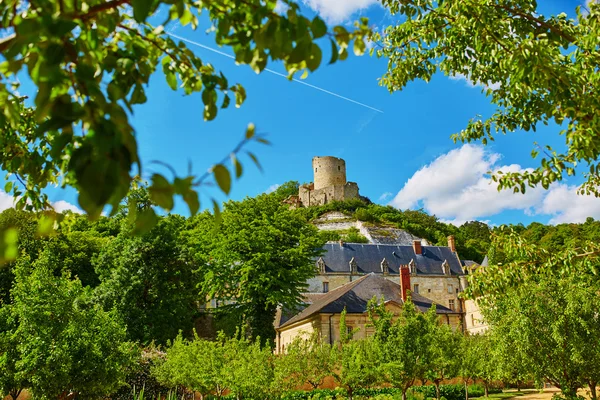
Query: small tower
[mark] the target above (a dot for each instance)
(328, 171)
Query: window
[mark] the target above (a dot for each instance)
(472, 320)
(450, 289)
(456, 290)
(416, 288)
(339, 168)
(428, 290)
(315, 170)
(451, 304)
(325, 287)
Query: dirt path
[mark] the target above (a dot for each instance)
(545, 395)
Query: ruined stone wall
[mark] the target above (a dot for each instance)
(350, 191)
(328, 171)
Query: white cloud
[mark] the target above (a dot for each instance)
(457, 188)
(281, 7)
(385, 196)
(565, 205)
(336, 11)
(61, 205)
(471, 84)
(8, 201)
(272, 188)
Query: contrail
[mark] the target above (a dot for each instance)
(276, 73)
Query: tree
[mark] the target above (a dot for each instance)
(67, 346)
(305, 361)
(548, 307)
(198, 365)
(259, 257)
(487, 365)
(469, 361)
(151, 287)
(12, 382)
(535, 69)
(357, 365)
(445, 361)
(90, 63)
(404, 346)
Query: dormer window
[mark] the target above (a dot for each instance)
(385, 266)
(446, 268)
(321, 265)
(353, 266)
(412, 268)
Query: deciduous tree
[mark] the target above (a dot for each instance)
(535, 69)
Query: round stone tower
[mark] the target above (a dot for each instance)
(329, 171)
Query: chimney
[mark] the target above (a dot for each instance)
(452, 243)
(417, 247)
(404, 281)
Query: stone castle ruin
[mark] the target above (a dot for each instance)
(329, 184)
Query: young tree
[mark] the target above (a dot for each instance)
(469, 361)
(249, 367)
(445, 359)
(260, 257)
(358, 366)
(198, 365)
(404, 346)
(67, 346)
(305, 361)
(535, 69)
(90, 62)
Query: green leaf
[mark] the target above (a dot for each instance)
(217, 212)
(223, 177)
(141, 9)
(318, 27)
(145, 221)
(8, 186)
(161, 192)
(250, 130)
(255, 160)
(192, 200)
(237, 166)
(171, 79)
(334, 52)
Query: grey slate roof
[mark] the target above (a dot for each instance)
(369, 256)
(354, 296)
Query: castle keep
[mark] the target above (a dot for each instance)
(329, 184)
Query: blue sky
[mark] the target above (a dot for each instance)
(403, 155)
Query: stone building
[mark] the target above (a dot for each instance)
(329, 184)
(435, 271)
(322, 311)
(474, 321)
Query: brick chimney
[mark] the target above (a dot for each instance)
(404, 281)
(417, 247)
(452, 243)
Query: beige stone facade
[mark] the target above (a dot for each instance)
(327, 326)
(474, 322)
(329, 184)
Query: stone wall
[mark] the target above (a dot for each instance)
(474, 322)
